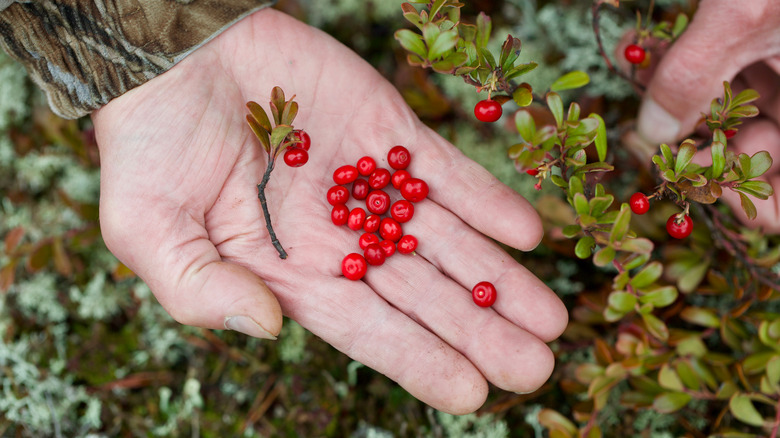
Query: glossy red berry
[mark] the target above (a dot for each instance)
(356, 218)
(303, 139)
(414, 189)
(639, 203)
(345, 174)
(367, 239)
(295, 157)
(634, 54)
(371, 225)
(339, 214)
(354, 266)
(730, 133)
(379, 179)
(378, 202)
(366, 165)
(407, 244)
(679, 228)
(388, 246)
(402, 211)
(399, 157)
(374, 254)
(389, 229)
(532, 172)
(484, 294)
(488, 111)
(337, 195)
(398, 177)
(360, 189)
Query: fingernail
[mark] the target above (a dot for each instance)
(247, 326)
(655, 124)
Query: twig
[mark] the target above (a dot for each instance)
(597, 31)
(266, 213)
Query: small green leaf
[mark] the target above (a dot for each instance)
(487, 59)
(741, 406)
(622, 301)
(684, 156)
(668, 378)
(510, 50)
(638, 245)
(258, 113)
(556, 421)
(601, 137)
(584, 247)
(701, 316)
(669, 402)
(575, 186)
(484, 28)
(748, 206)
(555, 103)
(680, 23)
(570, 231)
(745, 96)
(412, 42)
(574, 79)
(660, 297)
(759, 164)
(260, 133)
(655, 326)
(525, 124)
(581, 204)
(648, 275)
(519, 70)
(604, 256)
(666, 153)
(289, 113)
(444, 42)
(279, 134)
(718, 151)
(622, 222)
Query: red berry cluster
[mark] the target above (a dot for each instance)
(297, 154)
(678, 226)
(381, 219)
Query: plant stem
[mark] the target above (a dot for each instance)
(597, 31)
(264, 204)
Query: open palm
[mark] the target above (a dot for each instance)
(179, 206)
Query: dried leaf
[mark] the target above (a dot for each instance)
(13, 238)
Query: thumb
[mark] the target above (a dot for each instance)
(722, 39)
(184, 270)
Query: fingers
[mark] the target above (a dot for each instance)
(171, 252)
(693, 70)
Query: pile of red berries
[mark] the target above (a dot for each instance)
(297, 154)
(381, 219)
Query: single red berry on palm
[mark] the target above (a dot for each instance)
(679, 227)
(345, 174)
(354, 266)
(389, 229)
(360, 189)
(399, 157)
(484, 294)
(407, 244)
(634, 54)
(371, 225)
(388, 246)
(295, 157)
(639, 203)
(488, 110)
(366, 165)
(337, 195)
(532, 172)
(302, 138)
(402, 211)
(414, 189)
(398, 177)
(367, 239)
(378, 202)
(379, 179)
(356, 218)
(374, 254)
(339, 214)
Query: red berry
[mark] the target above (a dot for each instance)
(730, 133)
(388, 246)
(402, 211)
(484, 294)
(374, 254)
(360, 189)
(345, 174)
(378, 202)
(399, 157)
(338, 195)
(303, 139)
(407, 244)
(339, 214)
(354, 266)
(639, 203)
(634, 54)
(371, 225)
(356, 218)
(389, 229)
(295, 157)
(488, 111)
(414, 189)
(379, 178)
(366, 165)
(398, 177)
(367, 239)
(532, 172)
(679, 228)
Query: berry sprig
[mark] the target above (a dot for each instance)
(277, 138)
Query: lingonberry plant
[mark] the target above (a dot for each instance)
(276, 138)
(657, 359)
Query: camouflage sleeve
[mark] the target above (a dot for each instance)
(83, 53)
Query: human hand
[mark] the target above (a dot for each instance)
(725, 41)
(179, 207)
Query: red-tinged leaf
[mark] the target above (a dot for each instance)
(669, 402)
(748, 206)
(554, 420)
(7, 276)
(62, 263)
(261, 134)
(259, 115)
(655, 326)
(12, 239)
(40, 257)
